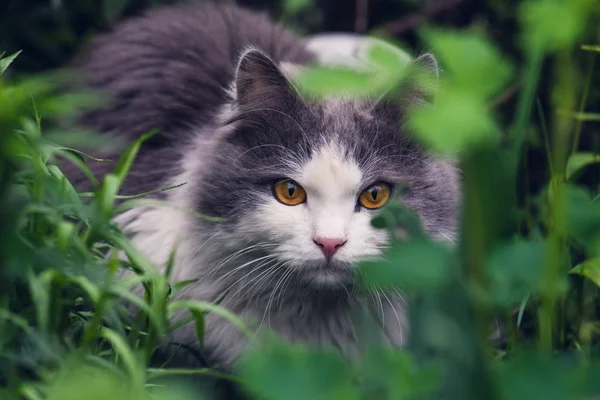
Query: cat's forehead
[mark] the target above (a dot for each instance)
(331, 170)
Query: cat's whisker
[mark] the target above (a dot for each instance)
(283, 285)
(393, 309)
(271, 272)
(447, 237)
(278, 291)
(267, 313)
(239, 253)
(374, 294)
(266, 310)
(242, 266)
(264, 264)
(195, 253)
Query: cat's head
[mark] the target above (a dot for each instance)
(301, 178)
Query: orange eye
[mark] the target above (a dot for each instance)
(375, 196)
(289, 192)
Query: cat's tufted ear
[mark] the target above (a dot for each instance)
(422, 83)
(428, 63)
(426, 77)
(258, 78)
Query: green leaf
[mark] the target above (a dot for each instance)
(531, 375)
(582, 218)
(387, 56)
(177, 287)
(458, 121)
(324, 81)
(296, 372)
(470, 62)
(539, 21)
(6, 61)
(383, 69)
(516, 270)
(128, 157)
(579, 161)
(126, 354)
(292, 7)
(588, 47)
(206, 307)
(106, 196)
(418, 265)
(394, 375)
(200, 325)
(589, 269)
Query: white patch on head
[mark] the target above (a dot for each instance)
(332, 182)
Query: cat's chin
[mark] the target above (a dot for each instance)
(328, 275)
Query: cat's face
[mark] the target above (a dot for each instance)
(302, 179)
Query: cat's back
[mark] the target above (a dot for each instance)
(167, 69)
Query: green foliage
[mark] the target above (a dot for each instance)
(66, 320)
(65, 312)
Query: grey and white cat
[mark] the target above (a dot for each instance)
(297, 179)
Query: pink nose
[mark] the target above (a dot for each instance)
(329, 246)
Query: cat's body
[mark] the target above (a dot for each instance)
(231, 127)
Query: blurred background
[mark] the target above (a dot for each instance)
(49, 31)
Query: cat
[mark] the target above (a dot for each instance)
(296, 179)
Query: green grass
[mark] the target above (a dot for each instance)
(533, 269)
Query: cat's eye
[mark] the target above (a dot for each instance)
(375, 196)
(289, 192)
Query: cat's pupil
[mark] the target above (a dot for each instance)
(291, 189)
(374, 193)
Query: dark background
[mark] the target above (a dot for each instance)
(50, 31)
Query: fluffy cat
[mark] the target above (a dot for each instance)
(298, 180)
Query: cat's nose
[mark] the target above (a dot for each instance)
(329, 246)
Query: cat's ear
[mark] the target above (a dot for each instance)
(423, 80)
(428, 63)
(258, 78)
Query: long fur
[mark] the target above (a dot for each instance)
(208, 77)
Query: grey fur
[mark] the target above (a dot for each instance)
(172, 69)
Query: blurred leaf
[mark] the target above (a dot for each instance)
(6, 61)
(489, 210)
(204, 308)
(471, 63)
(539, 20)
(531, 375)
(419, 265)
(515, 270)
(393, 375)
(589, 269)
(128, 157)
(582, 218)
(413, 260)
(295, 6)
(588, 47)
(200, 326)
(456, 122)
(387, 56)
(384, 69)
(334, 80)
(296, 372)
(579, 161)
